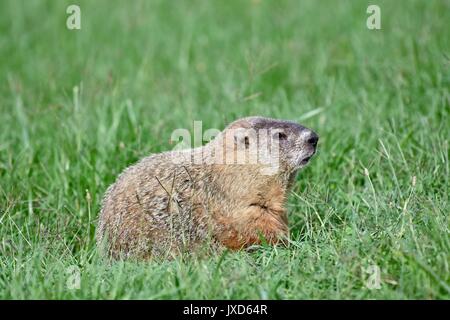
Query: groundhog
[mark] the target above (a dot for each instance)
(230, 193)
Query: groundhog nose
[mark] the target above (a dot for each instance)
(312, 139)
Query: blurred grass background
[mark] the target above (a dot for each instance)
(378, 99)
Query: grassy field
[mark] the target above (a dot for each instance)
(77, 106)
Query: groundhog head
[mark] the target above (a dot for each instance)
(279, 144)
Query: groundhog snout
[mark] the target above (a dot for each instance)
(310, 138)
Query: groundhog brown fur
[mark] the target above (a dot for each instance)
(229, 193)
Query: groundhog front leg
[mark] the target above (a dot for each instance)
(252, 226)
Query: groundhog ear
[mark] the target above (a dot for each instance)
(241, 124)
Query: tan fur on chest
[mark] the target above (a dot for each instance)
(264, 218)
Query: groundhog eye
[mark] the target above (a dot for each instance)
(246, 142)
(280, 136)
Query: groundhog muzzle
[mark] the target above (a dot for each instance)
(229, 193)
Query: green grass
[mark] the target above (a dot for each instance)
(379, 100)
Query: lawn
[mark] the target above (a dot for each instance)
(369, 217)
